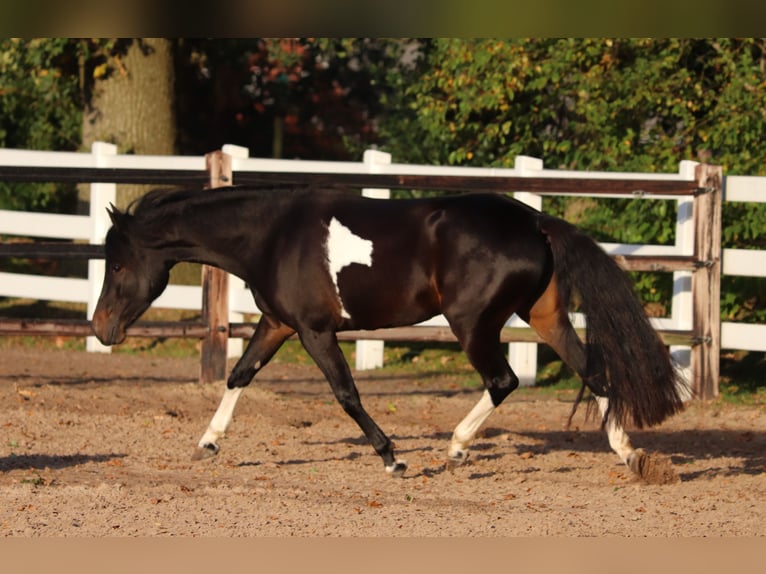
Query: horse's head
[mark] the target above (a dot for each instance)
(135, 276)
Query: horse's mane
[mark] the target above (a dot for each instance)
(160, 199)
(157, 204)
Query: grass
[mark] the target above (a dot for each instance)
(742, 382)
(743, 378)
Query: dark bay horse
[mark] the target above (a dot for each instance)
(322, 261)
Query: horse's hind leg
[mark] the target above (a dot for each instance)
(552, 324)
(269, 336)
(618, 438)
(323, 348)
(653, 469)
(482, 346)
(555, 329)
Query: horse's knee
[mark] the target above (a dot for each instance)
(242, 376)
(499, 388)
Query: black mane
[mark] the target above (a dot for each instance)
(159, 203)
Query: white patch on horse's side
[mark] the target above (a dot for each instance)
(343, 249)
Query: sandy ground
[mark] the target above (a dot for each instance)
(100, 445)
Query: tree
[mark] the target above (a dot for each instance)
(64, 93)
(128, 89)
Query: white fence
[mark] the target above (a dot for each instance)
(523, 356)
(744, 263)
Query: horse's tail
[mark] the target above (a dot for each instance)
(626, 360)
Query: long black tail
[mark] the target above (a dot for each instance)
(626, 360)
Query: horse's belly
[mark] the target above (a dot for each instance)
(373, 301)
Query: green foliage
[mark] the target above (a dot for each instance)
(607, 104)
(742, 378)
(39, 109)
(597, 104)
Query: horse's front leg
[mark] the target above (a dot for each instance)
(323, 348)
(269, 336)
(208, 444)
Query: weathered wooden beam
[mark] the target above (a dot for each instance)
(56, 250)
(541, 185)
(215, 291)
(445, 335)
(706, 283)
(52, 250)
(103, 175)
(199, 330)
(82, 328)
(656, 263)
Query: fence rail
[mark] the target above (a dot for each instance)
(693, 330)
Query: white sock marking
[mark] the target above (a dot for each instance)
(466, 431)
(618, 438)
(222, 417)
(392, 468)
(343, 249)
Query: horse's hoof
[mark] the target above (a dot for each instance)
(653, 469)
(397, 469)
(457, 459)
(206, 451)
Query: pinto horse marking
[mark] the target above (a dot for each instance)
(343, 249)
(321, 261)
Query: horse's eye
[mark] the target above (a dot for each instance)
(116, 267)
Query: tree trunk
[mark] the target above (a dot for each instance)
(132, 106)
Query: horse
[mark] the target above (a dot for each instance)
(320, 261)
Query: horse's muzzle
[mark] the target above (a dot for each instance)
(106, 329)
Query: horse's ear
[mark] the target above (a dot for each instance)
(114, 214)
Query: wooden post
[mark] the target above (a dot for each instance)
(215, 291)
(706, 282)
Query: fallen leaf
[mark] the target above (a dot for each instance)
(25, 394)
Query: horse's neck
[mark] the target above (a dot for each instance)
(206, 237)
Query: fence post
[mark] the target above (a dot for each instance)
(523, 356)
(369, 353)
(215, 291)
(682, 302)
(235, 344)
(706, 282)
(101, 195)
